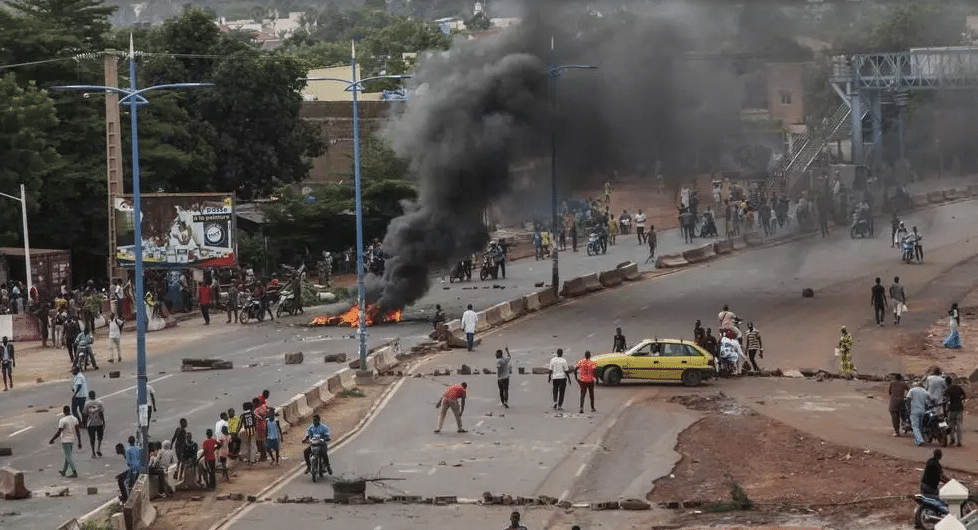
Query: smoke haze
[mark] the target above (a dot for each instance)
(486, 106)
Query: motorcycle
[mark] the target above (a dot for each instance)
(316, 466)
(83, 356)
(859, 228)
(931, 510)
(593, 244)
(709, 228)
(458, 273)
(934, 426)
(251, 310)
(626, 225)
(489, 267)
(907, 246)
(287, 301)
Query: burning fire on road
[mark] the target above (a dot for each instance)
(374, 315)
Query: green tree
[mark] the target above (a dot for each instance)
(27, 118)
(478, 21)
(384, 179)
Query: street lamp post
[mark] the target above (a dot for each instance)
(27, 242)
(355, 86)
(133, 97)
(554, 74)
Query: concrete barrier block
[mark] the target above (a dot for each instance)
(531, 302)
(138, 511)
(517, 307)
(919, 199)
(483, 323)
(313, 400)
(973, 191)
(629, 270)
(12, 485)
(455, 326)
(611, 278)
(592, 283)
(669, 261)
(935, 197)
(753, 240)
(293, 358)
(573, 287)
(738, 243)
(723, 247)
(334, 358)
(334, 385)
(708, 251)
(695, 255)
(72, 524)
(951, 194)
(302, 407)
(547, 297)
(348, 379)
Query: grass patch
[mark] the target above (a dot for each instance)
(739, 501)
(97, 525)
(353, 392)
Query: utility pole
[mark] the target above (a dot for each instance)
(113, 154)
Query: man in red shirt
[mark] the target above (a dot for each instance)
(205, 297)
(584, 372)
(454, 399)
(210, 447)
(261, 416)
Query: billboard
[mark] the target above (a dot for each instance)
(179, 230)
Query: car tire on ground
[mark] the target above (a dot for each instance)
(692, 378)
(612, 375)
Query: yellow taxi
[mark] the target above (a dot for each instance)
(657, 360)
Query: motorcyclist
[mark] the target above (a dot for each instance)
(727, 320)
(321, 431)
(625, 222)
(915, 238)
(83, 347)
(933, 476)
(901, 232)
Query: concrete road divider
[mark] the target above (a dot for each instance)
(289, 411)
(919, 199)
(573, 287)
(500, 314)
(302, 407)
(611, 278)
(668, 261)
(629, 270)
(700, 254)
(138, 511)
(313, 399)
(12, 484)
(723, 247)
(591, 282)
(973, 191)
(483, 323)
(753, 240)
(935, 197)
(951, 194)
(517, 307)
(739, 243)
(547, 297)
(348, 379)
(532, 302)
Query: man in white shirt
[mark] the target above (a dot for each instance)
(70, 435)
(640, 226)
(557, 376)
(115, 336)
(79, 394)
(469, 321)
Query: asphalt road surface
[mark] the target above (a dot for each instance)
(529, 449)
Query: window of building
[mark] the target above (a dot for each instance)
(785, 97)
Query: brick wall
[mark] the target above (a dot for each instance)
(336, 120)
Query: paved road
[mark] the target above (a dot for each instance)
(618, 452)
(536, 448)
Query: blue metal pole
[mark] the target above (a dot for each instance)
(361, 289)
(138, 252)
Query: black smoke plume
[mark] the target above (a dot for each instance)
(486, 107)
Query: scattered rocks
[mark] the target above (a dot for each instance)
(540, 371)
(465, 370)
(39, 380)
(634, 504)
(808, 292)
(236, 496)
(63, 492)
(523, 370)
(196, 498)
(283, 499)
(486, 371)
(6, 451)
(334, 358)
(252, 498)
(92, 490)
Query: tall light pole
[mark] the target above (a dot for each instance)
(27, 242)
(554, 74)
(134, 98)
(355, 85)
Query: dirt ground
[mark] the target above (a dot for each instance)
(198, 510)
(784, 472)
(928, 350)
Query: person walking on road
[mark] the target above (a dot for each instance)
(233, 302)
(584, 373)
(955, 409)
(224, 439)
(127, 478)
(755, 347)
(898, 392)
(845, 353)
(640, 226)
(557, 377)
(273, 437)
(878, 301)
(503, 371)
(205, 297)
(7, 363)
(210, 447)
(653, 240)
(70, 435)
(469, 322)
(514, 522)
(936, 386)
(95, 423)
(454, 399)
(80, 392)
(919, 403)
(115, 336)
(618, 344)
(899, 298)
(179, 440)
(246, 431)
(953, 339)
